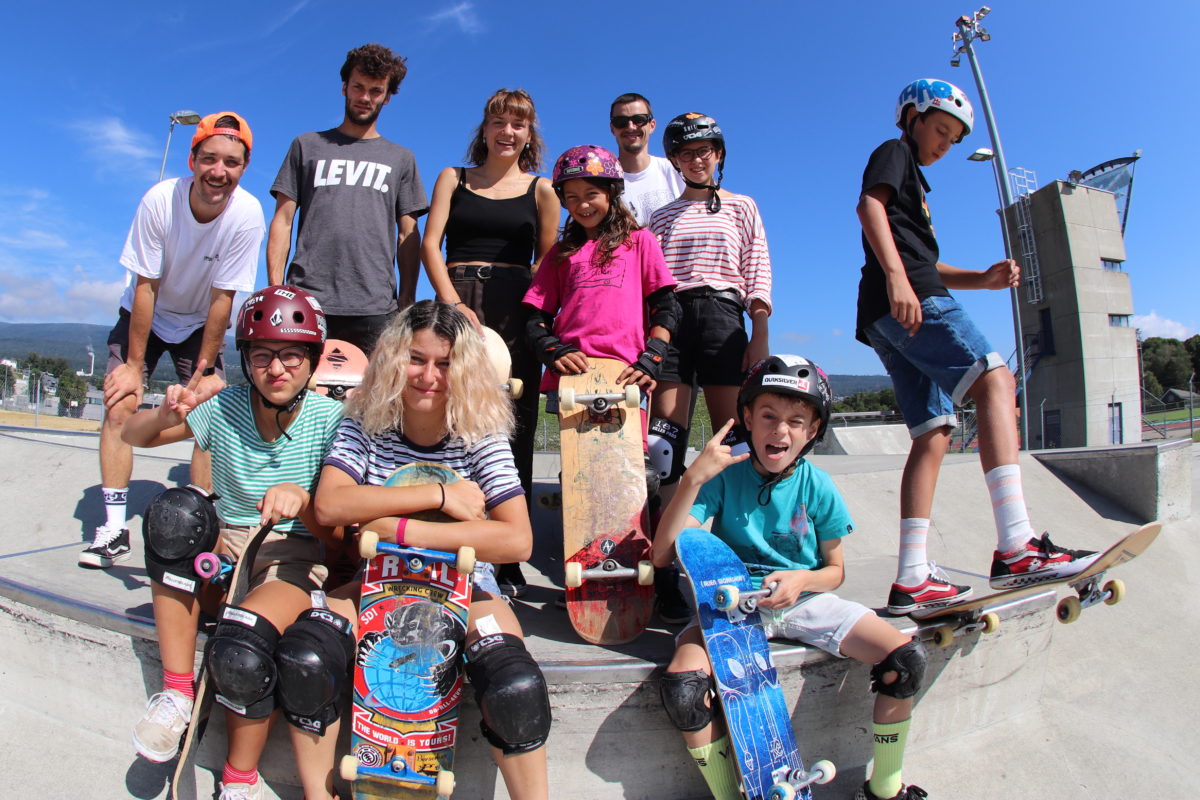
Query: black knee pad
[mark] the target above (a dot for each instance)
(667, 444)
(908, 662)
(241, 662)
(178, 525)
(511, 692)
(313, 661)
(684, 695)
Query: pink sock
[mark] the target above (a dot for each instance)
(180, 682)
(230, 775)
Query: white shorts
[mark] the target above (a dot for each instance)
(821, 620)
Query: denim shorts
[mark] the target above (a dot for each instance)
(932, 371)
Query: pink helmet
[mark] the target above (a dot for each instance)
(587, 161)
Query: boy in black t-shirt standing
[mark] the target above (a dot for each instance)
(935, 355)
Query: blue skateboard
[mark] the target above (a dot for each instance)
(755, 710)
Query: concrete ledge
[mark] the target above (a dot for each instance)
(856, 440)
(1151, 480)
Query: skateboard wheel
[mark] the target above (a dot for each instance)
(991, 622)
(781, 791)
(826, 769)
(645, 575)
(348, 768)
(574, 575)
(633, 396)
(1116, 592)
(725, 598)
(368, 544)
(207, 565)
(943, 636)
(1068, 610)
(445, 783)
(466, 560)
(566, 400)
(516, 388)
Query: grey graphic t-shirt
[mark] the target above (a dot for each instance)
(350, 192)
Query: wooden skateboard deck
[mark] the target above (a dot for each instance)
(975, 614)
(501, 359)
(606, 548)
(339, 370)
(408, 676)
(239, 586)
(755, 709)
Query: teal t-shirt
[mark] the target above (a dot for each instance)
(804, 509)
(244, 466)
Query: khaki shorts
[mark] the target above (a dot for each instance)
(281, 557)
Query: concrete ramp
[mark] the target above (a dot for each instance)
(865, 440)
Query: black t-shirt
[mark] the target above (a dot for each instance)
(892, 164)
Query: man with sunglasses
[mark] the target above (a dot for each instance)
(650, 181)
(193, 243)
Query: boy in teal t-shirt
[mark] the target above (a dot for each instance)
(785, 519)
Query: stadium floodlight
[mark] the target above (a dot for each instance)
(182, 117)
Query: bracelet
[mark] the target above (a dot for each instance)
(459, 303)
(442, 504)
(400, 526)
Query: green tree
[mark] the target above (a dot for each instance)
(1168, 360)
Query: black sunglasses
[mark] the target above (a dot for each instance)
(622, 120)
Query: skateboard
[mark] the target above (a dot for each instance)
(606, 550)
(1090, 588)
(755, 710)
(235, 577)
(501, 359)
(339, 370)
(408, 679)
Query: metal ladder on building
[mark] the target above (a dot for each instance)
(1024, 183)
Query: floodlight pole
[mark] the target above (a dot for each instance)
(184, 117)
(969, 30)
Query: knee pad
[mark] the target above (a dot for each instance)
(653, 481)
(313, 662)
(241, 662)
(684, 695)
(511, 692)
(668, 445)
(178, 525)
(908, 662)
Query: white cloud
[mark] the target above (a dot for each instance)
(119, 149)
(461, 14)
(791, 337)
(1152, 325)
(285, 17)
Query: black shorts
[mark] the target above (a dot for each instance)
(183, 354)
(360, 331)
(708, 347)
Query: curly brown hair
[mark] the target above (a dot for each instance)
(376, 61)
(518, 103)
(614, 229)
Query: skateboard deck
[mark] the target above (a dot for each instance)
(339, 370)
(501, 359)
(408, 677)
(239, 584)
(755, 709)
(606, 549)
(1089, 586)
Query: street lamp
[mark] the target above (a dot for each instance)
(184, 117)
(968, 31)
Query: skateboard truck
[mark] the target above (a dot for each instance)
(737, 604)
(216, 568)
(608, 570)
(789, 781)
(416, 557)
(1090, 592)
(568, 401)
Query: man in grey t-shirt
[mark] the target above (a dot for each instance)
(359, 197)
(650, 181)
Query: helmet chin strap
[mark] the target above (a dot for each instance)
(714, 199)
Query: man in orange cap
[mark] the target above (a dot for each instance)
(193, 244)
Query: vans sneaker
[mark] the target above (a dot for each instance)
(1040, 560)
(109, 546)
(906, 793)
(156, 735)
(934, 592)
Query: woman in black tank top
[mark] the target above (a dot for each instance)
(498, 219)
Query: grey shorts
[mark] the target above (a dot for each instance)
(821, 620)
(183, 354)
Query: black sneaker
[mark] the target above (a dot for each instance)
(672, 608)
(906, 793)
(109, 546)
(512, 582)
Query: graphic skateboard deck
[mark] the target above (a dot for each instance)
(755, 710)
(606, 547)
(501, 359)
(1090, 589)
(238, 579)
(339, 370)
(408, 676)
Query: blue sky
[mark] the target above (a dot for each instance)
(804, 92)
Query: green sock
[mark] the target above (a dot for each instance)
(716, 765)
(890, 739)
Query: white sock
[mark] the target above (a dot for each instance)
(114, 507)
(914, 562)
(1008, 507)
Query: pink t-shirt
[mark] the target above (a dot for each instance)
(600, 309)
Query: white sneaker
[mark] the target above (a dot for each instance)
(242, 791)
(156, 735)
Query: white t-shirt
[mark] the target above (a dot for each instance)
(652, 188)
(189, 258)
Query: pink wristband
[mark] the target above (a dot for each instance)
(400, 526)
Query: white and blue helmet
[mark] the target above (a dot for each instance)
(927, 93)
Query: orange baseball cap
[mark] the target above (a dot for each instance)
(208, 127)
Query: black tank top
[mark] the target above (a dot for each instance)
(492, 231)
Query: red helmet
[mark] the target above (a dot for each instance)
(281, 314)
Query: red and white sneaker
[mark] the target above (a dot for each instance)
(935, 591)
(1039, 561)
